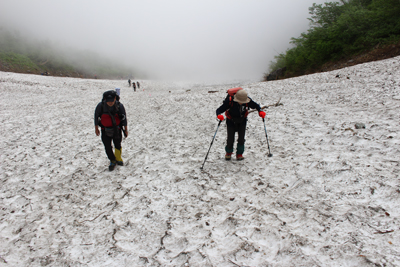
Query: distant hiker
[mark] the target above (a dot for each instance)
(134, 86)
(236, 106)
(111, 117)
(138, 85)
(118, 90)
(129, 82)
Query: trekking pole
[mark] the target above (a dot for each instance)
(211, 145)
(269, 155)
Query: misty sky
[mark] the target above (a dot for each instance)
(169, 39)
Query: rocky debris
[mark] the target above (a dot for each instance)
(275, 75)
(359, 125)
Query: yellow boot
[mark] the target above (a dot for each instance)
(118, 157)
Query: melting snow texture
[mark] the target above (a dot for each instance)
(330, 195)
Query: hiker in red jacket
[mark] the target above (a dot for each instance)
(236, 107)
(110, 115)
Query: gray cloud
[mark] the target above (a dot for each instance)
(175, 39)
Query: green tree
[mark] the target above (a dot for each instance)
(341, 29)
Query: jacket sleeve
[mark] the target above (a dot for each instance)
(223, 107)
(254, 105)
(97, 114)
(124, 121)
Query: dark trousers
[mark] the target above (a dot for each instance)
(232, 128)
(107, 143)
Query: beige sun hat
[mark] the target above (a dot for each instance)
(241, 97)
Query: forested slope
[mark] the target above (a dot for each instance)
(343, 33)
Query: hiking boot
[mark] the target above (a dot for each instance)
(239, 157)
(228, 156)
(111, 167)
(120, 163)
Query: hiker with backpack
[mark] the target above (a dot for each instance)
(236, 107)
(110, 116)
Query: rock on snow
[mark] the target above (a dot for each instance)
(330, 195)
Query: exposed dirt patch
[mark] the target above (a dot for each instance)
(4, 66)
(378, 53)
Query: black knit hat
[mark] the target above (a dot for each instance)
(109, 96)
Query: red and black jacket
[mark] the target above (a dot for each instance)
(235, 112)
(103, 113)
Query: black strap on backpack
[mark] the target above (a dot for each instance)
(105, 109)
(230, 98)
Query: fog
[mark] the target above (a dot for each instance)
(172, 40)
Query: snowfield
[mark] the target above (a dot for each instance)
(329, 196)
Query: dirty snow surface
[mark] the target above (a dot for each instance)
(329, 196)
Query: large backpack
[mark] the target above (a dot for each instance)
(231, 94)
(110, 92)
(103, 102)
(116, 120)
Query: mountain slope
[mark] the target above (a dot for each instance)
(328, 197)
